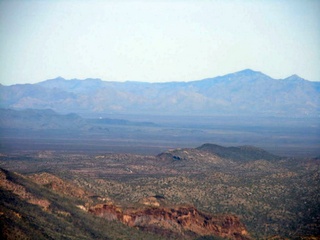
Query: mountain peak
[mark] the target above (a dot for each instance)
(59, 78)
(247, 71)
(294, 77)
(247, 75)
(52, 80)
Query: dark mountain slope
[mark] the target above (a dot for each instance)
(242, 153)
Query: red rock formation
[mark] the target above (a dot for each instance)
(182, 220)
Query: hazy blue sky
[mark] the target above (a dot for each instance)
(157, 41)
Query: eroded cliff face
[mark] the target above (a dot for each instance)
(186, 221)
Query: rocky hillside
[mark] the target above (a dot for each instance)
(36, 209)
(181, 221)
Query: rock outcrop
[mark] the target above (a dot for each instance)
(185, 221)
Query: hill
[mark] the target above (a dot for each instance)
(39, 119)
(242, 93)
(47, 119)
(242, 153)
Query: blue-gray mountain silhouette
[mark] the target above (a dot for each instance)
(246, 92)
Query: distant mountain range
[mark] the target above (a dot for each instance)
(242, 93)
(46, 119)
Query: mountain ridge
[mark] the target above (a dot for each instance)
(46, 119)
(240, 153)
(245, 93)
(247, 72)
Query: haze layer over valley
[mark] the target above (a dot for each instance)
(242, 108)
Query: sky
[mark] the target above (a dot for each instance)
(157, 41)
